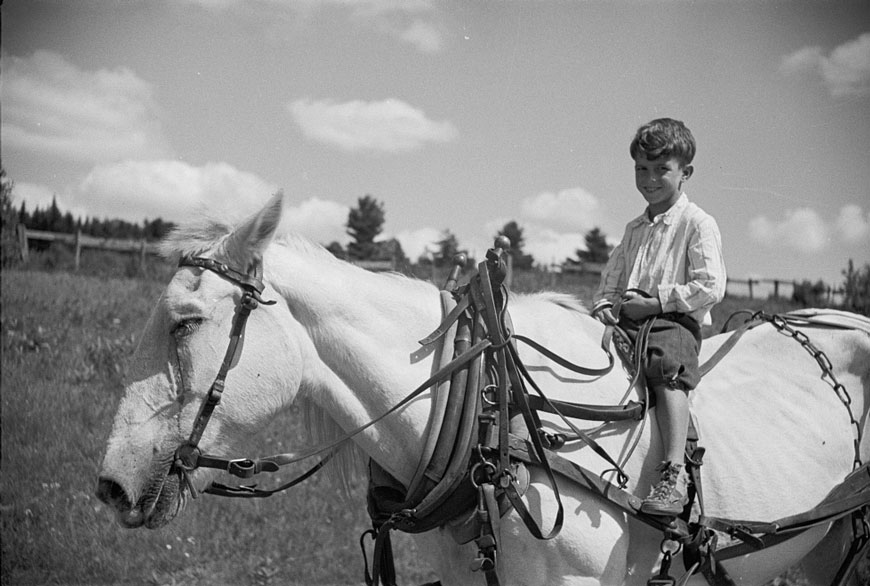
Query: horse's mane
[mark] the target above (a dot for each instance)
(563, 300)
(348, 466)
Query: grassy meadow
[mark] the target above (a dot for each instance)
(65, 340)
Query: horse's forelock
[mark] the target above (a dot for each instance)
(195, 238)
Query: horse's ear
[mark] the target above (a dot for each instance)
(249, 240)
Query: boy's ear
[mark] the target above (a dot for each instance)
(687, 172)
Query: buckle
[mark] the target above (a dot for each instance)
(186, 457)
(242, 468)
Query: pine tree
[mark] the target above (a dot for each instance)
(514, 233)
(364, 223)
(597, 248)
(448, 247)
(9, 244)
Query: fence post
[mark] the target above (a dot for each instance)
(749, 281)
(142, 257)
(78, 249)
(21, 231)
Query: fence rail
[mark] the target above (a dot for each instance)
(80, 241)
(763, 288)
(141, 247)
(781, 288)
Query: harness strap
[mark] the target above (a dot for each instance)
(588, 440)
(851, 495)
(458, 309)
(566, 363)
(633, 410)
(858, 550)
(440, 394)
(252, 491)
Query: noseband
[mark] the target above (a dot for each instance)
(188, 456)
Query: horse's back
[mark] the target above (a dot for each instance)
(778, 433)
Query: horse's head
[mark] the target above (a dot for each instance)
(179, 356)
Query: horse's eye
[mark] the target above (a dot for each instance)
(186, 327)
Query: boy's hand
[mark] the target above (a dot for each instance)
(637, 307)
(605, 316)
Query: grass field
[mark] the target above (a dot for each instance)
(65, 339)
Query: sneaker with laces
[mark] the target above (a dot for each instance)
(665, 498)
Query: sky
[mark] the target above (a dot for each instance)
(455, 115)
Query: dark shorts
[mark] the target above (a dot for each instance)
(672, 350)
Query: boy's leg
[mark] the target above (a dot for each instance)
(668, 496)
(672, 369)
(672, 406)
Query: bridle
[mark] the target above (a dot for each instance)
(188, 456)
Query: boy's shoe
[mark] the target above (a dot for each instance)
(665, 498)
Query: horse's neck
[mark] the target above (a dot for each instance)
(364, 327)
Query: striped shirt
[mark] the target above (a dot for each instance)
(676, 257)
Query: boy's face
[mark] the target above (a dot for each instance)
(660, 181)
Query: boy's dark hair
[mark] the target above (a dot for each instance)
(664, 137)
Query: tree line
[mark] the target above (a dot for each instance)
(365, 223)
(52, 219)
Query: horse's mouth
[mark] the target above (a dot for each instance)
(163, 499)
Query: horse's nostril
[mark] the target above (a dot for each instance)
(111, 493)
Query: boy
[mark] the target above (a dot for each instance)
(669, 268)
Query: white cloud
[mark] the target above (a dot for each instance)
(390, 125)
(423, 35)
(845, 71)
(804, 230)
(402, 20)
(804, 60)
(570, 210)
(801, 229)
(39, 196)
(549, 247)
(417, 242)
(853, 225)
(172, 190)
(322, 221)
(52, 107)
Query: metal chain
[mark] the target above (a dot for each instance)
(781, 324)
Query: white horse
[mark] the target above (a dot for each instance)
(345, 340)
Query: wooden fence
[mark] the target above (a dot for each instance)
(80, 241)
(779, 289)
(762, 288)
(141, 247)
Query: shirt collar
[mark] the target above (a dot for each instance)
(668, 217)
